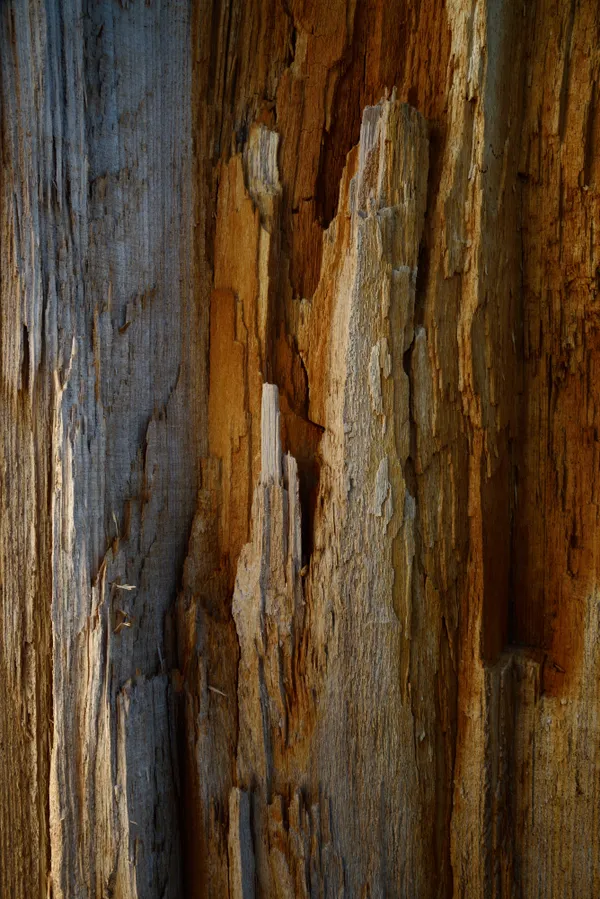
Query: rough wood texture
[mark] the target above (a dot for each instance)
(99, 487)
(299, 449)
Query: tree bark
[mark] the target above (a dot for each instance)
(299, 449)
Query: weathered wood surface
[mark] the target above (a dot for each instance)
(101, 431)
(299, 449)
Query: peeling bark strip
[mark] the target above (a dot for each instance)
(299, 449)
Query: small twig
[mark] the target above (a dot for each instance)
(124, 622)
(214, 690)
(124, 586)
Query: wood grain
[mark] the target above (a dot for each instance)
(298, 449)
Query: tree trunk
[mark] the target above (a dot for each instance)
(300, 328)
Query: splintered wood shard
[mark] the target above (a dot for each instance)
(268, 606)
(270, 435)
